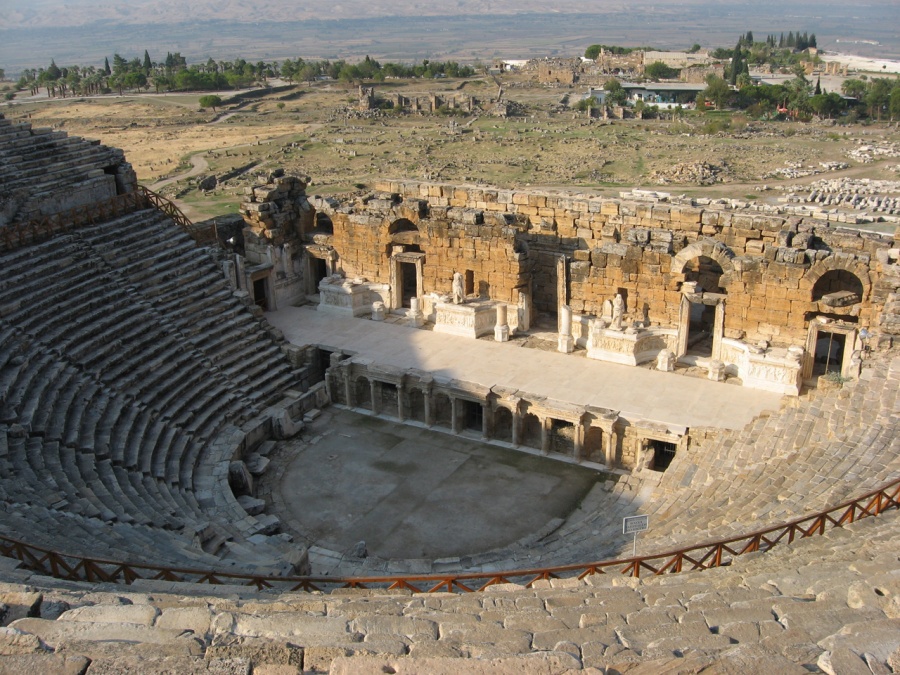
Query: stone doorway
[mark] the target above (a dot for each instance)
(260, 293)
(663, 454)
(408, 283)
(318, 270)
(829, 354)
(700, 330)
(829, 347)
(701, 326)
(406, 276)
(472, 415)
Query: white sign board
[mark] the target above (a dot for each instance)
(635, 524)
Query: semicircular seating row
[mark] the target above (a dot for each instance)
(124, 357)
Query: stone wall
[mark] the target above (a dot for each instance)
(367, 233)
(770, 263)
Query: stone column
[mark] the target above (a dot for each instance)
(485, 421)
(566, 341)
(611, 447)
(579, 441)
(545, 435)
(414, 316)
(426, 395)
(400, 412)
(374, 392)
(348, 389)
(454, 414)
(516, 426)
(718, 330)
(378, 311)
(501, 329)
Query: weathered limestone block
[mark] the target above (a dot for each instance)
(135, 614)
(42, 664)
(56, 632)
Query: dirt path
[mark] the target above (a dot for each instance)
(198, 166)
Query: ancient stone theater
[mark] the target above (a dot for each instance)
(719, 377)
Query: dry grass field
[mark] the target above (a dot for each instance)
(316, 130)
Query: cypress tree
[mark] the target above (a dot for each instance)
(106, 68)
(147, 65)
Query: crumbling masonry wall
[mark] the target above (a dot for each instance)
(770, 263)
(452, 239)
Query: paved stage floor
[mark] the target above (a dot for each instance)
(638, 393)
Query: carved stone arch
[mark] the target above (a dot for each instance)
(707, 248)
(833, 264)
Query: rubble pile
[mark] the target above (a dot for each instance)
(870, 152)
(699, 173)
(872, 196)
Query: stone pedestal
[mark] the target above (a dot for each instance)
(629, 348)
(472, 319)
(342, 296)
(501, 330)
(716, 371)
(414, 315)
(377, 311)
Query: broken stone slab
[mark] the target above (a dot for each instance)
(56, 632)
(14, 641)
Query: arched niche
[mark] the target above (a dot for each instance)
(708, 248)
(833, 275)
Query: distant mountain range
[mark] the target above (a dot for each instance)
(32, 32)
(72, 13)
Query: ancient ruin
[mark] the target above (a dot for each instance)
(146, 395)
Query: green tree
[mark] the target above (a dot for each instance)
(106, 68)
(2, 74)
(878, 96)
(826, 105)
(717, 91)
(615, 92)
(592, 52)
(737, 65)
(147, 65)
(894, 104)
(660, 71)
(854, 88)
(211, 101)
(587, 103)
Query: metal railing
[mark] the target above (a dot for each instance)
(17, 235)
(698, 557)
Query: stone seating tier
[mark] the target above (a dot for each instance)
(826, 604)
(113, 412)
